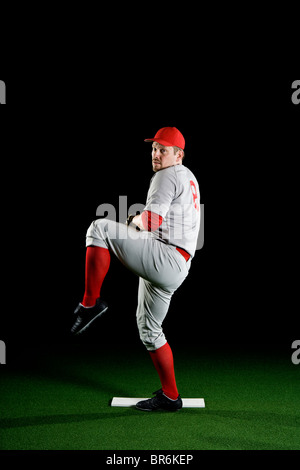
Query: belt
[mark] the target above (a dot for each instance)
(184, 253)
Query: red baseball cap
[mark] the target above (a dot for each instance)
(169, 136)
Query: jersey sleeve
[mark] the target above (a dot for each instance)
(151, 221)
(162, 192)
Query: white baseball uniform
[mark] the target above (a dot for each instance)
(153, 256)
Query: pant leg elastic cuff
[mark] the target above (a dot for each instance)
(95, 241)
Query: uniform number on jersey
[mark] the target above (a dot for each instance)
(195, 195)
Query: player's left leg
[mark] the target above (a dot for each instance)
(153, 304)
(105, 237)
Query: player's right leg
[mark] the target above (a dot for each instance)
(84, 317)
(97, 263)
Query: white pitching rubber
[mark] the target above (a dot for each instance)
(186, 402)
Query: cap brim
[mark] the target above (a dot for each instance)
(160, 141)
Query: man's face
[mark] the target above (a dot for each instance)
(163, 157)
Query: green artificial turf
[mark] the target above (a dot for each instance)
(61, 400)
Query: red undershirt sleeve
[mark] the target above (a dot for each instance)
(151, 221)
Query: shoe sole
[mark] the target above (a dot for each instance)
(145, 409)
(91, 321)
(157, 409)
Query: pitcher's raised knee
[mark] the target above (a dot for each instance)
(97, 233)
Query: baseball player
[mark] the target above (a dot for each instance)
(158, 246)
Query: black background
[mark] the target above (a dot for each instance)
(74, 139)
(82, 94)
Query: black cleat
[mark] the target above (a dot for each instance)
(160, 402)
(85, 316)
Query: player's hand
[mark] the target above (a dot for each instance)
(129, 219)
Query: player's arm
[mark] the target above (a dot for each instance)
(147, 221)
(137, 220)
(160, 196)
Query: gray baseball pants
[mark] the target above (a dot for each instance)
(160, 267)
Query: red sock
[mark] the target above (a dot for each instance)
(97, 262)
(164, 364)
